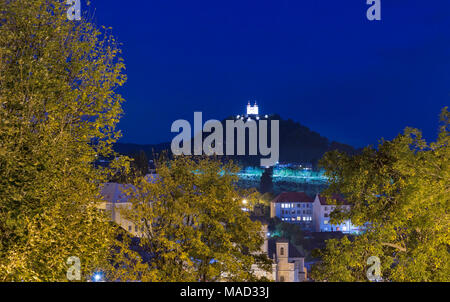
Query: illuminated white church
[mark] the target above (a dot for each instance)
(252, 113)
(252, 110)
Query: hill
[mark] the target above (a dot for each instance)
(298, 144)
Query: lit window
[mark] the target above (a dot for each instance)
(299, 218)
(325, 222)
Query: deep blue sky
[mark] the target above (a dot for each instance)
(321, 63)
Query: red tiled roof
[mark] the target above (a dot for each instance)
(338, 198)
(293, 197)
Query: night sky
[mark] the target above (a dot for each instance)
(321, 63)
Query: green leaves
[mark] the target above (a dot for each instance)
(57, 82)
(400, 191)
(193, 224)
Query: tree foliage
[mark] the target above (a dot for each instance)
(193, 225)
(266, 183)
(58, 112)
(401, 193)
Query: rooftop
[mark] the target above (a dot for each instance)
(293, 197)
(340, 200)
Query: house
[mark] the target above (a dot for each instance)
(322, 209)
(116, 199)
(294, 207)
(311, 214)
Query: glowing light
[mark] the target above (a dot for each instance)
(97, 277)
(245, 202)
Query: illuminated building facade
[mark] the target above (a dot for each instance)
(252, 110)
(310, 214)
(322, 212)
(294, 207)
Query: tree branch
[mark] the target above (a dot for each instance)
(400, 248)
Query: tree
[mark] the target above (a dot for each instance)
(290, 231)
(193, 225)
(266, 181)
(58, 112)
(140, 163)
(401, 193)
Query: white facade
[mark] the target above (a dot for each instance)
(322, 212)
(295, 212)
(115, 199)
(252, 110)
(294, 207)
(310, 214)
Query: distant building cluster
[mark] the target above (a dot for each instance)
(288, 264)
(311, 214)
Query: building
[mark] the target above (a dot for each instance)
(322, 211)
(311, 214)
(252, 110)
(252, 113)
(294, 207)
(288, 263)
(115, 200)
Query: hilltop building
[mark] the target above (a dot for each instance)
(252, 112)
